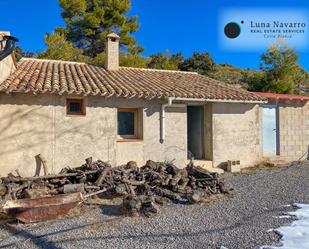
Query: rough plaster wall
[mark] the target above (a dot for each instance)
(38, 124)
(175, 145)
(294, 129)
(79, 137)
(134, 151)
(26, 130)
(236, 133)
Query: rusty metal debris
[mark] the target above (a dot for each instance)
(142, 189)
(44, 208)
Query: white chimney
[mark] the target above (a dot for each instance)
(112, 52)
(2, 42)
(8, 63)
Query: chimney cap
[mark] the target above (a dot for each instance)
(3, 33)
(113, 35)
(9, 37)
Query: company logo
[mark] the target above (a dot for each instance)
(232, 30)
(252, 29)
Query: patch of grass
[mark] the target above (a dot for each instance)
(213, 199)
(264, 165)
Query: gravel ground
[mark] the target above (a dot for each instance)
(240, 221)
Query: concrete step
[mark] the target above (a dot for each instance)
(203, 163)
(208, 166)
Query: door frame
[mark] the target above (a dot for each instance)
(202, 131)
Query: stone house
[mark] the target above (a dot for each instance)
(68, 111)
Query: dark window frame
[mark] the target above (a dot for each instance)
(136, 125)
(81, 102)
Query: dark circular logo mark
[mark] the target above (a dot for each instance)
(232, 30)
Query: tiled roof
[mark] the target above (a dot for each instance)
(48, 76)
(282, 96)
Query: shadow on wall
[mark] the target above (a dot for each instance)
(12, 129)
(171, 152)
(91, 101)
(222, 165)
(232, 108)
(47, 99)
(288, 103)
(151, 110)
(156, 107)
(27, 122)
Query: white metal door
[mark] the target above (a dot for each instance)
(269, 130)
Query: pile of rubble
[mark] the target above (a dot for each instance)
(141, 188)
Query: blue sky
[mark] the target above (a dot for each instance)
(176, 25)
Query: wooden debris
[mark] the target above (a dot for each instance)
(40, 161)
(3, 189)
(140, 188)
(36, 193)
(73, 188)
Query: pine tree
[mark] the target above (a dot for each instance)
(165, 61)
(89, 21)
(199, 62)
(59, 49)
(280, 71)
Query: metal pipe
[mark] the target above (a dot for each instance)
(162, 118)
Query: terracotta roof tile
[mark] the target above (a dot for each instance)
(48, 76)
(282, 96)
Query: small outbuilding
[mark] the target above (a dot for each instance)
(285, 126)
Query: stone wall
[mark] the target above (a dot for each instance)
(293, 129)
(33, 124)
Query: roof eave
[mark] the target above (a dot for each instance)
(221, 100)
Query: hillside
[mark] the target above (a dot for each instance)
(231, 74)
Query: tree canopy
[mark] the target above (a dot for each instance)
(199, 62)
(280, 71)
(20, 53)
(59, 49)
(89, 21)
(165, 61)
